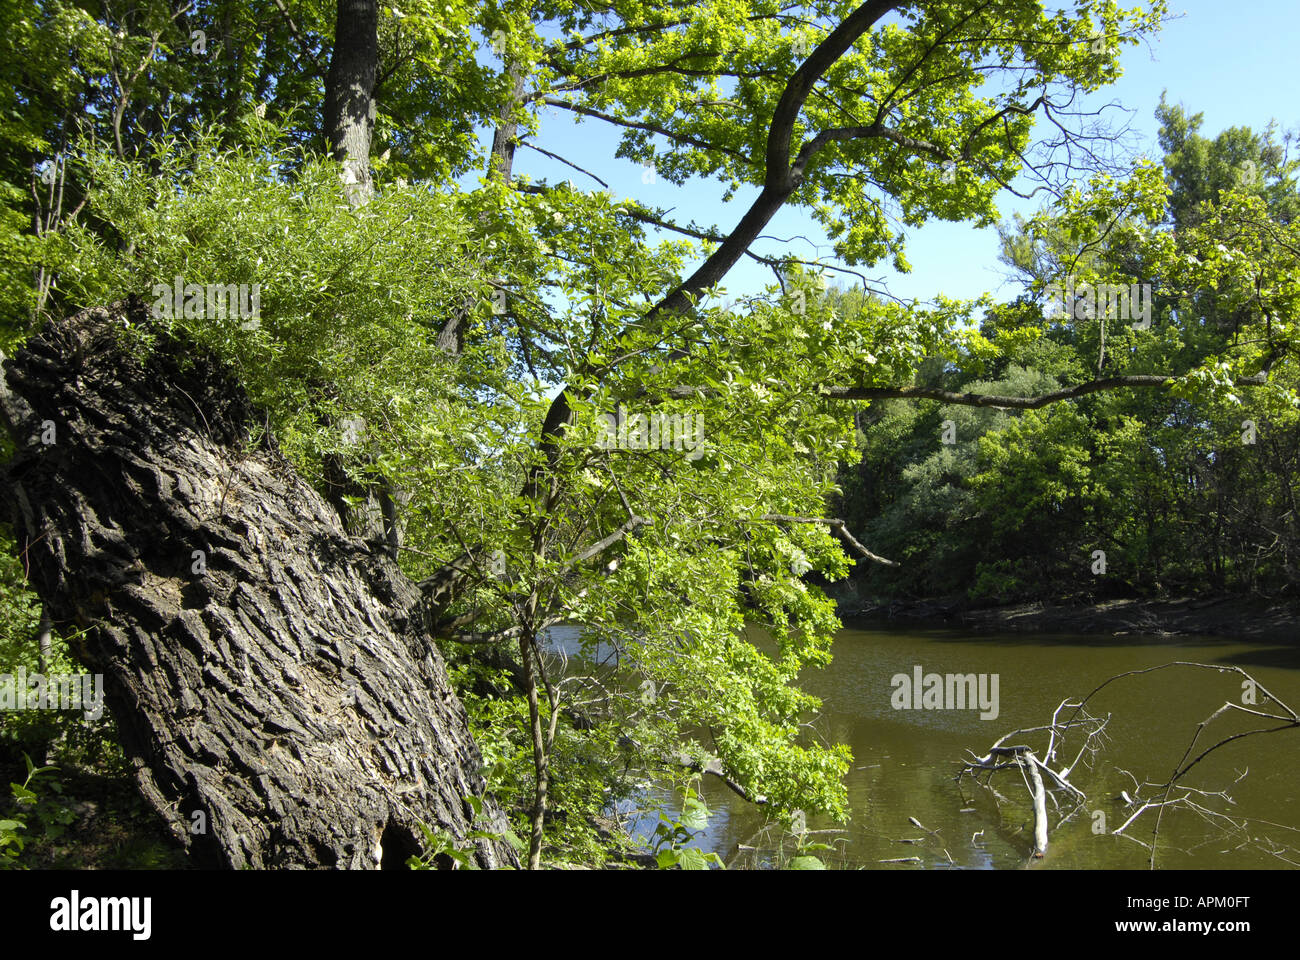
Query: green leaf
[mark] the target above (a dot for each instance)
(805, 863)
(695, 815)
(690, 858)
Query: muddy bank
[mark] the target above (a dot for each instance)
(1243, 618)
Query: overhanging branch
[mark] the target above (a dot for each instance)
(1015, 403)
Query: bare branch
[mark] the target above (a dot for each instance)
(567, 163)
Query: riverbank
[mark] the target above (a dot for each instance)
(1236, 617)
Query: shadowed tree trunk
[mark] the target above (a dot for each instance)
(272, 678)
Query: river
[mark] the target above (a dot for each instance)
(905, 759)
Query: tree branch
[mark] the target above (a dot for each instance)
(567, 163)
(601, 545)
(302, 40)
(646, 127)
(1015, 403)
(839, 527)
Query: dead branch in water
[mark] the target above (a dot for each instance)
(1170, 792)
(1021, 757)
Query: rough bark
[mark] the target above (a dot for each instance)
(286, 687)
(502, 159)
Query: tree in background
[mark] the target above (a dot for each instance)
(1185, 490)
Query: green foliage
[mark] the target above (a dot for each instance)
(804, 856)
(926, 512)
(671, 836)
(591, 769)
(33, 807)
(209, 169)
(346, 327)
(737, 58)
(1183, 488)
(20, 612)
(41, 812)
(74, 739)
(440, 847)
(1201, 171)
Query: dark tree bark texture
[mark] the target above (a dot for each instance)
(266, 670)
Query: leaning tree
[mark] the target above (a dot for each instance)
(273, 680)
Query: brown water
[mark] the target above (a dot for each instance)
(905, 759)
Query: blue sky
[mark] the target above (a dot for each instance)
(1233, 62)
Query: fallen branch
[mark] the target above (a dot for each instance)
(1021, 757)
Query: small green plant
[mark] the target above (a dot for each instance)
(49, 811)
(671, 836)
(11, 842)
(806, 850)
(440, 843)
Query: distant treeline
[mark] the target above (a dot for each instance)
(1182, 492)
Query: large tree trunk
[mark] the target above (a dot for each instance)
(265, 669)
(349, 91)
